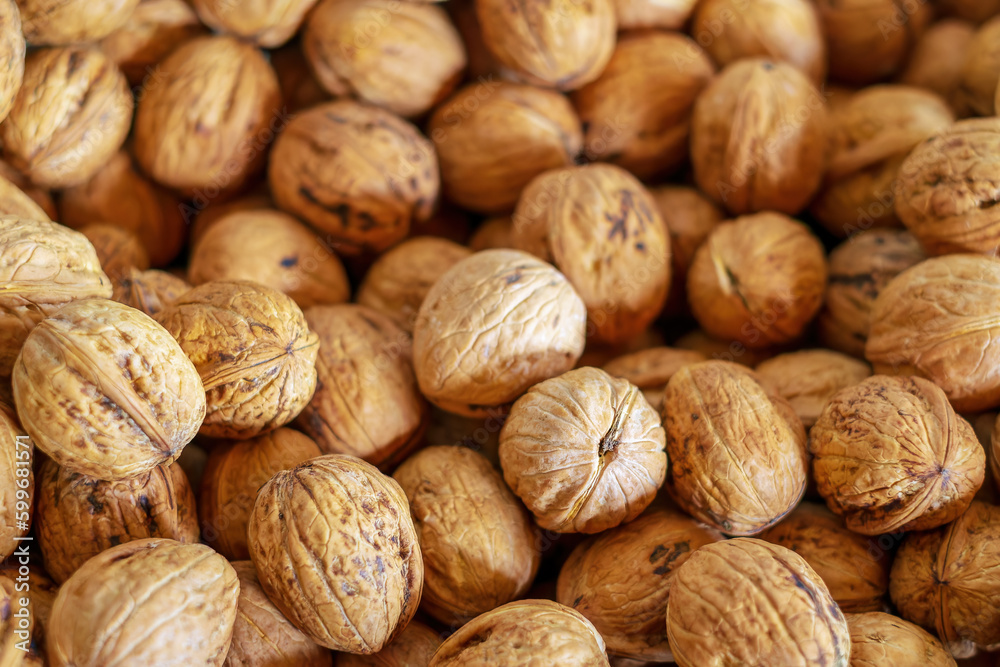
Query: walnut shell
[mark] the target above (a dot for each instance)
(600, 227)
(40, 195)
(413, 646)
(758, 136)
(627, 605)
(70, 116)
(937, 320)
(149, 291)
(938, 57)
(638, 111)
(977, 80)
(17, 485)
(15, 201)
(79, 516)
(273, 249)
(890, 454)
(204, 217)
(737, 453)
(758, 280)
(234, 473)
(376, 66)
(150, 34)
(881, 639)
(352, 588)
(254, 351)
(206, 126)
(495, 324)
(584, 451)
(945, 580)
(860, 268)
(519, 634)
(131, 603)
(104, 390)
(12, 50)
(477, 541)
(720, 350)
(119, 250)
(263, 636)
(493, 234)
(59, 22)
(667, 14)
(358, 174)
(652, 368)
(398, 281)
(267, 23)
(367, 403)
(494, 137)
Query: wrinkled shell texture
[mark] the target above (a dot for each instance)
(349, 59)
(938, 57)
(939, 320)
(104, 391)
(758, 138)
(254, 352)
(524, 633)
(70, 116)
(358, 174)
(58, 22)
(12, 50)
(882, 639)
(336, 551)
(977, 82)
(747, 602)
(890, 454)
(17, 449)
(627, 605)
(489, 154)
(130, 604)
(268, 23)
(153, 30)
(208, 120)
(119, 250)
(367, 403)
(737, 454)
(758, 280)
(149, 291)
(79, 516)
(413, 646)
(584, 451)
(669, 14)
(477, 541)
(495, 324)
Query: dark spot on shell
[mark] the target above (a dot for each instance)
(95, 504)
(289, 262)
(657, 553)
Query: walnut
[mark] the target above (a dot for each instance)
(131, 604)
(267, 23)
(495, 324)
(627, 605)
(79, 516)
(367, 402)
(758, 280)
(149, 291)
(205, 127)
(348, 58)
(493, 233)
(62, 22)
(977, 80)
(972, 10)
(353, 588)
(784, 30)
(254, 351)
(273, 249)
(478, 543)
(807, 379)
(936, 320)
(523, 633)
(234, 472)
(41, 196)
(637, 113)
(119, 195)
(720, 350)
(584, 451)
(882, 639)
(870, 137)
(938, 58)
(945, 580)
(667, 14)
(398, 281)
(737, 452)
(263, 636)
(860, 268)
(413, 646)
(119, 250)
(299, 88)
(494, 137)
(150, 34)
(358, 174)
(15, 201)
(891, 454)
(70, 116)
(652, 368)
(17, 488)
(12, 49)
(209, 214)
(747, 602)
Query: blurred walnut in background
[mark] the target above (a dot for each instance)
(64, 22)
(267, 23)
(652, 368)
(808, 379)
(119, 250)
(150, 34)
(665, 14)
(938, 58)
(149, 291)
(977, 82)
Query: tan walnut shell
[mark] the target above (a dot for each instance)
(477, 541)
(880, 639)
(584, 451)
(651, 369)
(358, 174)
(936, 61)
(149, 291)
(523, 634)
(79, 516)
(69, 118)
(254, 351)
(627, 605)
(737, 453)
(58, 22)
(17, 484)
(939, 320)
(12, 50)
(367, 402)
(495, 324)
(131, 603)
(15, 201)
(413, 646)
(336, 551)
(890, 454)
(104, 390)
(666, 14)
(747, 602)
(119, 250)
(267, 23)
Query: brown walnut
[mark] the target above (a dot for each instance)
(413, 646)
(60, 22)
(150, 34)
(882, 639)
(666, 14)
(650, 369)
(119, 250)
(267, 23)
(149, 291)
(977, 80)
(938, 58)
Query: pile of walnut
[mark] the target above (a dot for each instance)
(549, 332)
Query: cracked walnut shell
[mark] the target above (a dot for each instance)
(807, 379)
(879, 639)
(267, 23)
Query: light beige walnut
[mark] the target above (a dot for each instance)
(119, 250)
(12, 50)
(413, 646)
(267, 23)
(666, 14)
(149, 291)
(150, 34)
(938, 57)
(60, 22)
(17, 484)
(652, 368)
(879, 639)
